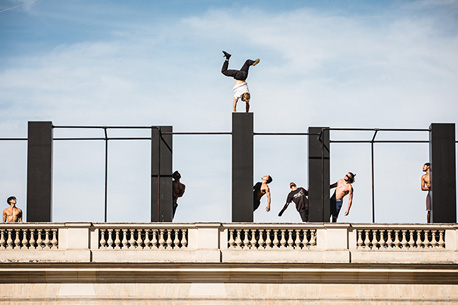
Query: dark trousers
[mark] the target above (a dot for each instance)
(304, 214)
(241, 74)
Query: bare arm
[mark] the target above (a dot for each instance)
(234, 104)
(4, 216)
(424, 184)
(350, 199)
(333, 185)
(19, 216)
(268, 199)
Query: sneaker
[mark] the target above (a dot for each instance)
(256, 62)
(227, 55)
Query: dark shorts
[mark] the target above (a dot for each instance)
(428, 202)
(304, 214)
(256, 204)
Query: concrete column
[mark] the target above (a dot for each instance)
(242, 167)
(161, 175)
(319, 172)
(39, 172)
(443, 173)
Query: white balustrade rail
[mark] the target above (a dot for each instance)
(143, 238)
(400, 239)
(232, 242)
(272, 238)
(25, 237)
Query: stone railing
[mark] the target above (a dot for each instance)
(234, 242)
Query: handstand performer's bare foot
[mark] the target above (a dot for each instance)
(255, 62)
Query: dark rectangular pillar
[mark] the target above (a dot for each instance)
(443, 173)
(319, 172)
(242, 167)
(161, 175)
(39, 172)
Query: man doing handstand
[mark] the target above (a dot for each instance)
(241, 87)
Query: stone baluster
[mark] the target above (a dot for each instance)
(297, 240)
(176, 241)
(47, 240)
(147, 241)
(54, 239)
(184, 241)
(276, 242)
(433, 239)
(24, 239)
(238, 239)
(419, 242)
(245, 239)
(404, 240)
(117, 240)
(268, 240)
(359, 242)
(110, 238)
(375, 240)
(389, 241)
(161, 239)
(139, 239)
(367, 241)
(253, 239)
(9, 241)
(102, 240)
(411, 241)
(124, 241)
(283, 239)
(132, 239)
(382, 241)
(261, 243)
(169, 239)
(2, 239)
(313, 238)
(32, 239)
(290, 239)
(397, 242)
(441, 239)
(154, 241)
(17, 241)
(231, 241)
(39, 240)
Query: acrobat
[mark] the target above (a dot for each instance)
(241, 87)
(426, 186)
(299, 196)
(12, 214)
(259, 190)
(343, 187)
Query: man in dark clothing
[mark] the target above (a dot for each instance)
(299, 196)
(259, 190)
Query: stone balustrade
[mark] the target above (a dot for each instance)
(234, 242)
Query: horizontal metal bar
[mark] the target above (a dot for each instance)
(197, 133)
(104, 127)
(99, 139)
(13, 139)
(378, 129)
(285, 134)
(378, 141)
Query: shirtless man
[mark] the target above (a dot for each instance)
(241, 87)
(426, 186)
(343, 187)
(178, 189)
(259, 190)
(12, 214)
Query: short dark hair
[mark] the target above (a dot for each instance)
(427, 164)
(176, 175)
(292, 184)
(10, 198)
(269, 180)
(352, 177)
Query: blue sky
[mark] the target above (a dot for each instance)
(381, 64)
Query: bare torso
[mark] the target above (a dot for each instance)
(426, 182)
(238, 82)
(264, 189)
(12, 214)
(342, 189)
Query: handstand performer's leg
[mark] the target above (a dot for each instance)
(227, 72)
